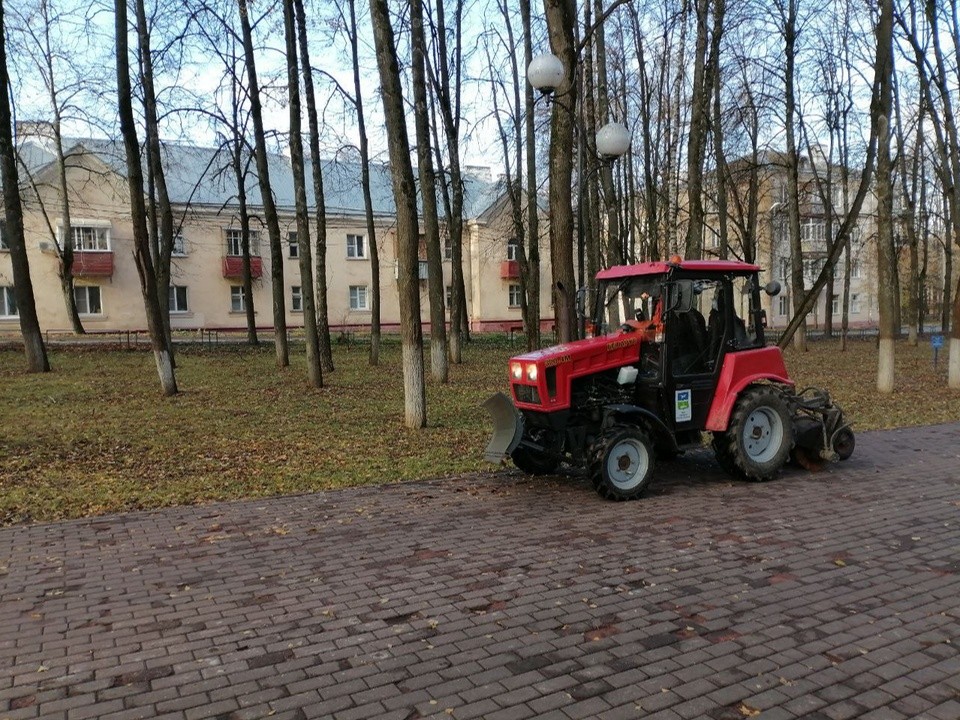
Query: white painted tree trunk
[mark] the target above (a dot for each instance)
(953, 369)
(165, 370)
(885, 366)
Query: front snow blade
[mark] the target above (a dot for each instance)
(507, 428)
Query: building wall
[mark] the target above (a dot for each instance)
(100, 198)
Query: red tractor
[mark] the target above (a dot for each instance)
(673, 350)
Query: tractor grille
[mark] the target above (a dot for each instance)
(526, 394)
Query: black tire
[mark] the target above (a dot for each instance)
(622, 461)
(723, 455)
(534, 462)
(844, 443)
(759, 437)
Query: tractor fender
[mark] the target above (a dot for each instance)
(662, 435)
(741, 369)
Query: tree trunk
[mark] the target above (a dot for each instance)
(407, 230)
(157, 178)
(886, 255)
(793, 170)
(533, 219)
(700, 106)
(439, 364)
(374, 357)
(322, 314)
(561, 20)
(138, 212)
(34, 350)
(269, 207)
(304, 254)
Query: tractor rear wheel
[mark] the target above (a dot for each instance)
(622, 463)
(758, 440)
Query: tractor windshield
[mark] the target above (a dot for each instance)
(632, 298)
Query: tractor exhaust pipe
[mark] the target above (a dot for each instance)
(507, 428)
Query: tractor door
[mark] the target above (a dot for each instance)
(697, 330)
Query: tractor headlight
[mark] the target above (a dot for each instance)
(516, 371)
(532, 373)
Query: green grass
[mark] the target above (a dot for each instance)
(96, 435)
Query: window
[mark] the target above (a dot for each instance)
(237, 302)
(296, 299)
(855, 269)
(88, 300)
(88, 237)
(178, 299)
(358, 297)
(783, 305)
(447, 248)
(835, 305)
(356, 247)
(785, 269)
(235, 244)
(812, 268)
(4, 243)
(855, 304)
(813, 231)
(449, 296)
(179, 245)
(513, 249)
(293, 245)
(8, 302)
(513, 296)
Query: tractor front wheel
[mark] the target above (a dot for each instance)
(622, 463)
(758, 440)
(533, 460)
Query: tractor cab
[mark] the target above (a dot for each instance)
(671, 350)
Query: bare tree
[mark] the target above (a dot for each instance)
(322, 308)
(34, 349)
(304, 254)
(428, 194)
(266, 191)
(407, 232)
(138, 210)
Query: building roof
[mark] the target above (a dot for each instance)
(203, 177)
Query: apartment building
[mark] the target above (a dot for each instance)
(207, 265)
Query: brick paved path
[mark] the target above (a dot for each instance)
(830, 595)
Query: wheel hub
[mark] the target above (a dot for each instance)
(762, 434)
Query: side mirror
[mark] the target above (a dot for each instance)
(582, 301)
(680, 295)
(772, 288)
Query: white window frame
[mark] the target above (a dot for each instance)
(835, 305)
(234, 238)
(856, 269)
(359, 301)
(174, 301)
(8, 302)
(88, 237)
(855, 308)
(85, 291)
(296, 299)
(813, 230)
(514, 295)
(785, 269)
(238, 303)
(356, 248)
(513, 249)
(179, 248)
(783, 306)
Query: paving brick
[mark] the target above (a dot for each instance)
(520, 602)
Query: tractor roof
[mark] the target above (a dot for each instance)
(661, 267)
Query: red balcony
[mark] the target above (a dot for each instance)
(233, 267)
(509, 269)
(92, 263)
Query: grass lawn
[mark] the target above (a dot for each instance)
(96, 435)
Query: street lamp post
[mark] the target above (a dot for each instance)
(546, 73)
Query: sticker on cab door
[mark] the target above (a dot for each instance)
(683, 411)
